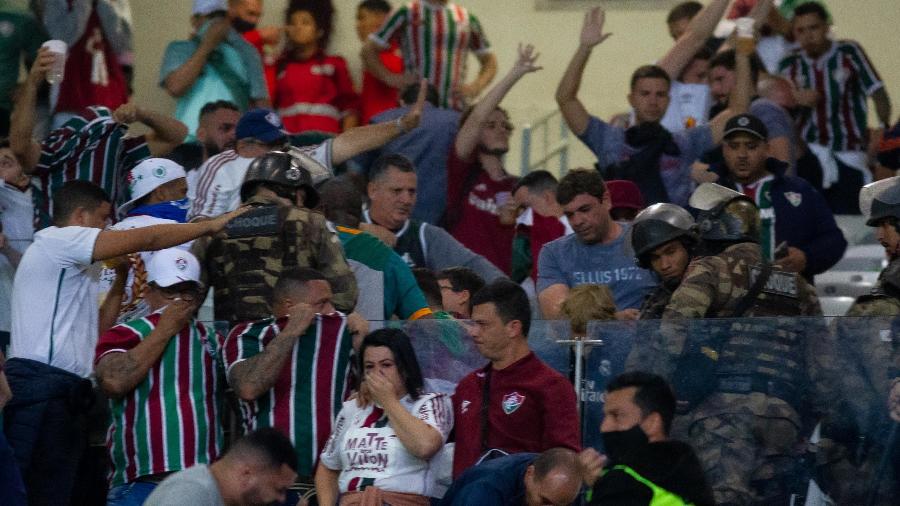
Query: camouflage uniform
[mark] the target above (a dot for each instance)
(243, 264)
(853, 436)
(746, 423)
(655, 304)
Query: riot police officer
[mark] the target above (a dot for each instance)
(664, 238)
(243, 264)
(856, 436)
(739, 381)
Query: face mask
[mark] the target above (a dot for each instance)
(242, 26)
(618, 445)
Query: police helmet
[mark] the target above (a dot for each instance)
(725, 215)
(880, 199)
(657, 225)
(282, 169)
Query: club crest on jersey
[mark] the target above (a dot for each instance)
(794, 198)
(511, 402)
(465, 406)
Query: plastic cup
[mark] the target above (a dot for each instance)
(501, 198)
(744, 27)
(57, 71)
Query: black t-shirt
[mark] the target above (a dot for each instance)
(671, 465)
(189, 155)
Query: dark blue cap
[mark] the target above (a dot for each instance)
(260, 124)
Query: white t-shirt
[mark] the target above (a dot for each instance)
(688, 106)
(17, 217)
(216, 189)
(54, 306)
(364, 447)
(139, 308)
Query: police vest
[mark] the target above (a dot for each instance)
(244, 266)
(765, 354)
(411, 244)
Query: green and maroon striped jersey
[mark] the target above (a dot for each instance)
(435, 40)
(169, 421)
(90, 147)
(310, 389)
(844, 77)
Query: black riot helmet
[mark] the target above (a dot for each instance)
(725, 215)
(880, 200)
(657, 225)
(278, 168)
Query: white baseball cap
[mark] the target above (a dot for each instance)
(204, 7)
(148, 176)
(172, 266)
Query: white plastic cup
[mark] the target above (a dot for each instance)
(501, 198)
(57, 71)
(744, 27)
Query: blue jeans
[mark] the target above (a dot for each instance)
(130, 494)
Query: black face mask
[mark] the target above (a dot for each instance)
(620, 444)
(241, 25)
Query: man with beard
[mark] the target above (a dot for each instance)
(480, 208)
(798, 231)
(642, 465)
(215, 134)
(855, 440)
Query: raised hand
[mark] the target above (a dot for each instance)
(592, 30)
(300, 316)
(411, 119)
(379, 388)
(176, 315)
(526, 62)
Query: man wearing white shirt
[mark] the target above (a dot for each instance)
(55, 326)
(217, 187)
(16, 229)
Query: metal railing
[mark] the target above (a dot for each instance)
(550, 149)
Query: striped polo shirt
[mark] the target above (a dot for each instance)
(843, 77)
(435, 40)
(312, 384)
(169, 422)
(90, 147)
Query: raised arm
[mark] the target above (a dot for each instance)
(113, 243)
(22, 119)
(739, 100)
(694, 38)
(256, 375)
(573, 111)
(180, 80)
(469, 132)
(165, 132)
(361, 139)
(119, 373)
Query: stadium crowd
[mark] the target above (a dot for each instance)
(233, 308)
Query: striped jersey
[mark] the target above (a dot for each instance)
(761, 193)
(310, 388)
(366, 450)
(435, 40)
(169, 421)
(843, 77)
(90, 147)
